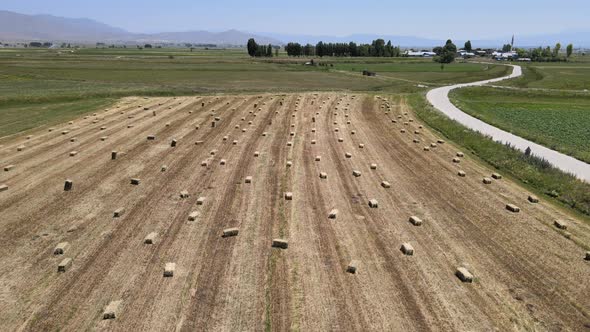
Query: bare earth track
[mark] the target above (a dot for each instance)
(529, 275)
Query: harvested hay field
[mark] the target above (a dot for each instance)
(527, 275)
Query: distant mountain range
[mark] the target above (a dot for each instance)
(19, 27)
(15, 27)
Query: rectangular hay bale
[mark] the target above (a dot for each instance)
(230, 232)
(118, 212)
(112, 310)
(68, 185)
(373, 203)
(61, 248)
(193, 215)
(512, 208)
(333, 214)
(150, 238)
(352, 266)
(464, 275)
(407, 249)
(64, 265)
(169, 269)
(415, 221)
(560, 224)
(280, 243)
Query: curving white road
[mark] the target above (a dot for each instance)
(439, 98)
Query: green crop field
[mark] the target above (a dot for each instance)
(560, 121)
(572, 75)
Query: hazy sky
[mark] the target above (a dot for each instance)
(423, 18)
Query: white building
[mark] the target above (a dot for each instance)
(504, 55)
(424, 54)
(466, 54)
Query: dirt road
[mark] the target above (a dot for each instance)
(528, 273)
(439, 98)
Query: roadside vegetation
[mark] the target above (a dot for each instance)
(535, 173)
(557, 120)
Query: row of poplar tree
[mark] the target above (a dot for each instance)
(378, 48)
(259, 50)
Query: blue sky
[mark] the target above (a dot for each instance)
(424, 18)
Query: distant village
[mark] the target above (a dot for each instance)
(507, 53)
(495, 54)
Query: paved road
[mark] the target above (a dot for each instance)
(439, 98)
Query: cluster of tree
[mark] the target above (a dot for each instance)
(258, 50)
(546, 54)
(378, 48)
(101, 45)
(39, 44)
(447, 53)
(293, 49)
